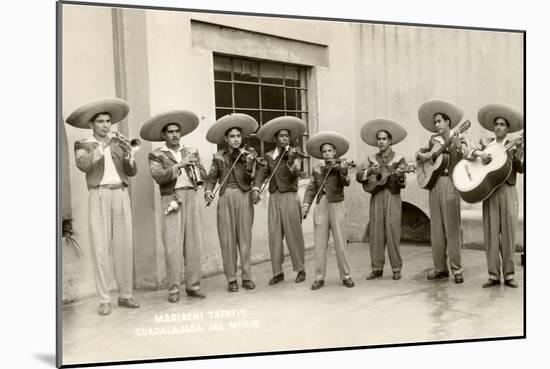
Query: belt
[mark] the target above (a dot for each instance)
(111, 186)
(186, 188)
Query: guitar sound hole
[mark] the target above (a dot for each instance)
(378, 177)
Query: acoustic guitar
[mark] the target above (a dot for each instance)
(475, 181)
(427, 172)
(376, 181)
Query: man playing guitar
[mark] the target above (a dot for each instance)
(385, 203)
(500, 209)
(440, 116)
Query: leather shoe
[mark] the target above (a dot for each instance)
(490, 283)
(174, 297)
(128, 302)
(317, 284)
(104, 308)
(396, 276)
(301, 276)
(248, 284)
(233, 286)
(277, 278)
(437, 275)
(375, 274)
(195, 293)
(348, 282)
(511, 283)
(459, 278)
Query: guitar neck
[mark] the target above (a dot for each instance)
(512, 144)
(443, 147)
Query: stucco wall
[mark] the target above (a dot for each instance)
(88, 74)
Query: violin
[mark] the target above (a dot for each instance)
(338, 161)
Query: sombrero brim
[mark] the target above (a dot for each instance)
(340, 143)
(152, 129)
(490, 112)
(295, 126)
(244, 122)
(373, 126)
(81, 117)
(432, 107)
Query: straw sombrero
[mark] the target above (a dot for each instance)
(152, 129)
(340, 143)
(245, 123)
(294, 125)
(432, 107)
(490, 112)
(117, 108)
(373, 126)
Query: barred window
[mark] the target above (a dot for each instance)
(263, 90)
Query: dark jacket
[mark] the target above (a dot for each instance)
(285, 178)
(221, 163)
(165, 173)
(333, 187)
(90, 160)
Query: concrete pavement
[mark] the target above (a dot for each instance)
(290, 316)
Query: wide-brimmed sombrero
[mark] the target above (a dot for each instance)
(340, 143)
(490, 112)
(117, 108)
(432, 107)
(152, 129)
(244, 122)
(373, 126)
(295, 126)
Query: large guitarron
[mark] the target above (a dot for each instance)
(475, 181)
(428, 171)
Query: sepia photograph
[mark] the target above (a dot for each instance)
(235, 184)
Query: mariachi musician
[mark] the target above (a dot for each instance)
(500, 209)
(233, 167)
(284, 212)
(107, 166)
(178, 171)
(326, 187)
(385, 202)
(440, 116)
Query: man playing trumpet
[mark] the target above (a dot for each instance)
(233, 168)
(284, 213)
(107, 166)
(327, 189)
(181, 225)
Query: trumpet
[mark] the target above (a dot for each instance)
(126, 144)
(192, 170)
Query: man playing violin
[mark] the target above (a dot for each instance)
(440, 116)
(385, 202)
(326, 188)
(180, 218)
(284, 212)
(500, 209)
(233, 167)
(107, 167)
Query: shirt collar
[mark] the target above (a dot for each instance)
(387, 154)
(276, 152)
(166, 149)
